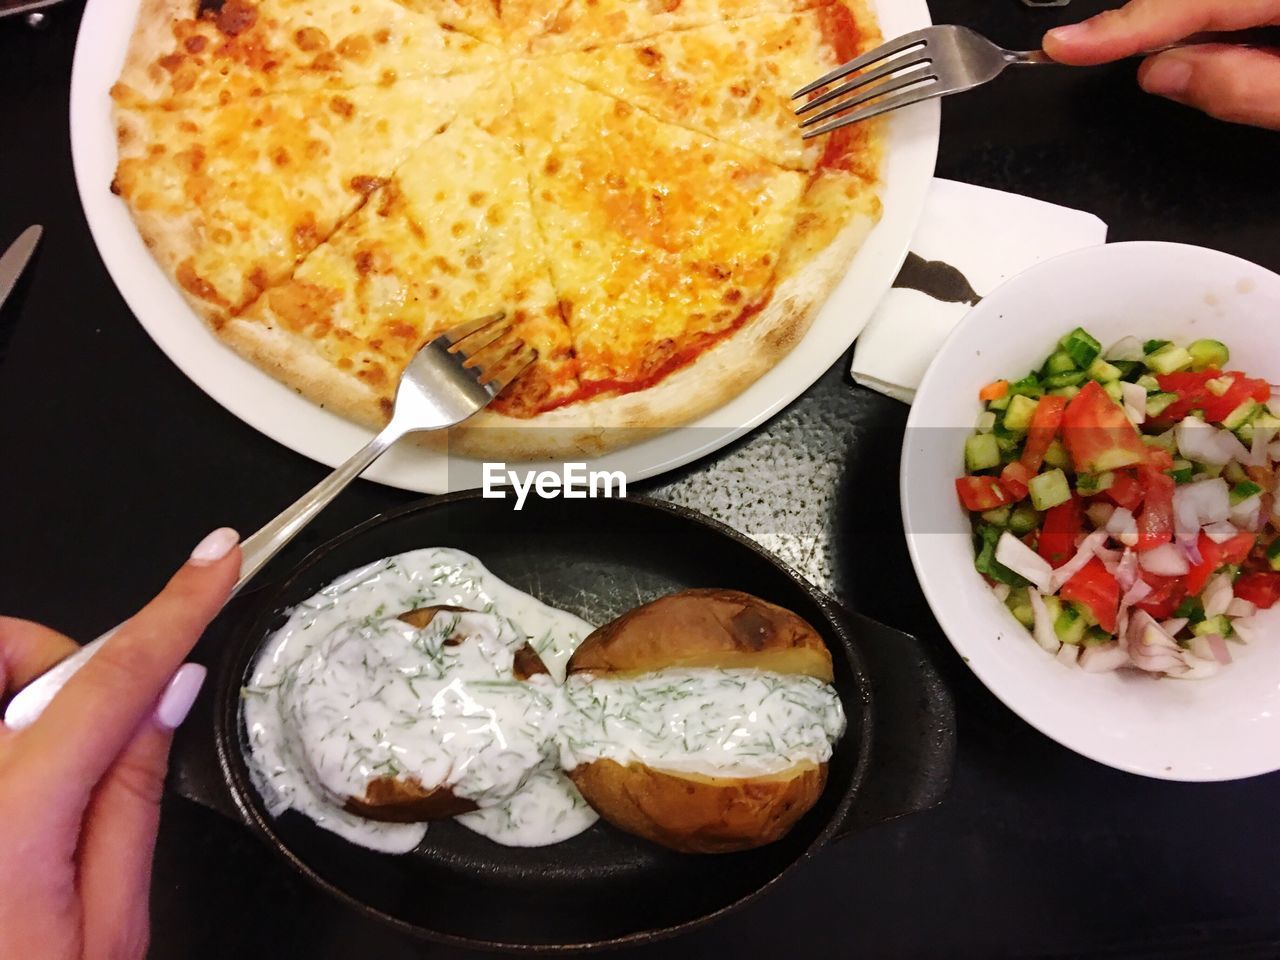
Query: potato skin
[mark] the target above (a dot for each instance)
(724, 629)
(695, 814)
(728, 629)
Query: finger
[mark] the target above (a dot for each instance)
(1143, 25)
(89, 722)
(1231, 83)
(27, 650)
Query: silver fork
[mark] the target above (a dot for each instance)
(450, 379)
(936, 62)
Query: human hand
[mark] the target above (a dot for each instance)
(80, 788)
(1240, 84)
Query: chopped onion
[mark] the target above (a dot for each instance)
(1221, 532)
(1259, 450)
(1211, 647)
(1199, 441)
(1002, 591)
(1123, 526)
(1099, 512)
(1193, 668)
(1273, 451)
(1205, 501)
(1067, 654)
(1217, 595)
(1247, 514)
(1127, 570)
(1135, 402)
(1043, 629)
(1083, 555)
(1127, 348)
(1103, 658)
(1239, 607)
(1263, 625)
(1166, 560)
(1023, 561)
(1174, 626)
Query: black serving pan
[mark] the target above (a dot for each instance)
(596, 558)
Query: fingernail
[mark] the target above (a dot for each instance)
(1071, 33)
(179, 695)
(1167, 77)
(214, 547)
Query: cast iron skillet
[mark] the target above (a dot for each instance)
(597, 558)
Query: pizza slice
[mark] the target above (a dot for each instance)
(449, 237)
(546, 26)
(188, 53)
(230, 199)
(732, 80)
(476, 18)
(673, 246)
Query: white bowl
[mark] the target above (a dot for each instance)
(1222, 728)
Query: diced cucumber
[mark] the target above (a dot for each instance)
(1243, 491)
(1190, 609)
(985, 561)
(1072, 378)
(1087, 484)
(1059, 362)
(1001, 404)
(1261, 421)
(1069, 625)
(1055, 455)
(1095, 636)
(1219, 386)
(1024, 519)
(1028, 386)
(1054, 606)
(1208, 353)
(1221, 625)
(1151, 346)
(986, 421)
(1081, 346)
(1068, 392)
(1114, 391)
(1183, 471)
(1021, 608)
(999, 516)
(1021, 410)
(1129, 369)
(1238, 417)
(1148, 383)
(1234, 473)
(1169, 359)
(1049, 489)
(1158, 403)
(1103, 372)
(1209, 471)
(1164, 441)
(981, 452)
(1115, 458)
(1273, 553)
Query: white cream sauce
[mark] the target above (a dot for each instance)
(344, 693)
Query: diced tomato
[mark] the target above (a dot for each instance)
(1041, 431)
(1125, 491)
(1155, 522)
(1167, 593)
(1096, 589)
(994, 390)
(1216, 555)
(1014, 479)
(1062, 524)
(1262, 589)
(1158, 459)
(1194, 394)
(1098, 434)
(982, 493)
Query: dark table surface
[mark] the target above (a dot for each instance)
(113, 464)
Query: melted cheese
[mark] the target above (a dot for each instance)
(657, 236)
(233, 198)
(450, 237)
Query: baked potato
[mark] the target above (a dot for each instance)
(688, 811)
(404, 799)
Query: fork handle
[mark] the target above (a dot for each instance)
(1253, 37)
(31, 700)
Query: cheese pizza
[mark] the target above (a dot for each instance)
(331, 184)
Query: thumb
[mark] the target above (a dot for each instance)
(1238, 84)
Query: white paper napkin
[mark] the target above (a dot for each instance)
(970, 240)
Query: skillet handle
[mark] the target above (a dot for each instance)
(194, 769)
(913, 742)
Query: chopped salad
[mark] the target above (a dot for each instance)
(1125, 504)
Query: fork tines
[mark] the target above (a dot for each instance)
(902, 67)
(490, 347)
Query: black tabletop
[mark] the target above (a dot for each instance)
(113, 464)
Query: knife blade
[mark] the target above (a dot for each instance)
(16, 258)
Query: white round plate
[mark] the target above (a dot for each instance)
(267, 405)
(1222, 728)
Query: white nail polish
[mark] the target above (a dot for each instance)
(214, 547)
(179, 695)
